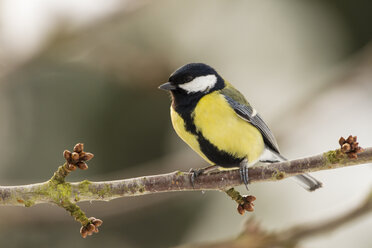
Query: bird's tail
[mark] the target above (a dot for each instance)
(307, 181)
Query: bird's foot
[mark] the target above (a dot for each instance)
(195, 173)
(244, 175)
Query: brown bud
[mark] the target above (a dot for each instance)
(359, 149)
(250, 198)
(97, 222)
(345, 148)
(248, 207)
(83, 232)
(82, 165)
(75, 157)
(67, 154)
(96, 230)
(90, 227)
(79, 147)
(352, 155)
(342, 141)
(240, 209)
(87, 156)
(71, 167)
(350, 139)
(354, 145)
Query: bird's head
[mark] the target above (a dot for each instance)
(194, 78)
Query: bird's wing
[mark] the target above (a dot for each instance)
(246, 112)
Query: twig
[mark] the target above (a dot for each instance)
(56, 191)
(65, 194)
(245, 203)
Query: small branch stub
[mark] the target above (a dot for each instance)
(245, 203)
(77, 159)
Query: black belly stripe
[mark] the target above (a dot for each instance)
(217, 156)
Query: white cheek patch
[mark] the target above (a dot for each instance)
(200, 84)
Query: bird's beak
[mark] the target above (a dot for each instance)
(167, 86)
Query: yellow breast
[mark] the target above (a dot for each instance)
(188, 138)
(219, 123)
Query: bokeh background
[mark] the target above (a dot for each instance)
(83, 71)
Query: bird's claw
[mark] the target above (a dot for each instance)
(194, 174)
(244, 175)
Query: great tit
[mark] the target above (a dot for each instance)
(218, 123)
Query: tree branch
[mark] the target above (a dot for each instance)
(180, 181)
(65, 194)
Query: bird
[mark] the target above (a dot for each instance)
(219, 124)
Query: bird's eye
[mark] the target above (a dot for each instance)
(189, 78)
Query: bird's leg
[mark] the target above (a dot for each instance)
(197, 172)
(243, 169)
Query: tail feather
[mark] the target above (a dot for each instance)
(307, 181)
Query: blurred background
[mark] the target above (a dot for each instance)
(78, 71)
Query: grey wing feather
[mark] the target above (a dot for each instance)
(247, 113)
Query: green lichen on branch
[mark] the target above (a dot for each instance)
(28, 203)
(55, 191)
(84, 188)
(278, 175)
(75, 212)
(334, 157)
(235, 195)
(61, 173)
(106, 191)
(60, 192)
(180, 173)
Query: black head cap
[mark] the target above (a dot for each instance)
(190, 71)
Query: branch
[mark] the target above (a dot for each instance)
(65, 194)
